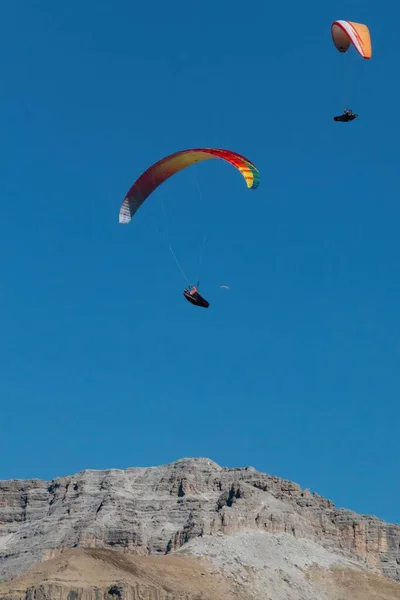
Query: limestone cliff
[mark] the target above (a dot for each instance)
(182, 509)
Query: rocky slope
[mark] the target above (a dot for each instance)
(90, 574)
(264, 536)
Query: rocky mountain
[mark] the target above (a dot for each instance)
(189, 529)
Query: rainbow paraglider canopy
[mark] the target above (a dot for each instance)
(168, 166)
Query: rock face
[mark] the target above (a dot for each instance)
(170, 508)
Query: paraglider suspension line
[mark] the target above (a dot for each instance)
(179, 266)
(167, 235)
(202, 204)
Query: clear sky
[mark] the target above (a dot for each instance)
(295, 368)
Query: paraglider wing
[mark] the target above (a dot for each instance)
(166, 167)
(345, 33)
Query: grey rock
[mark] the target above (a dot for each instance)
(158, 510)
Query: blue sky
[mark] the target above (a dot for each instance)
(294, 369)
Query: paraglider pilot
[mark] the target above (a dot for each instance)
(192, 295)
(347, 116)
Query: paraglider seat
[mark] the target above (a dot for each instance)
(347, 116)
(192, 295)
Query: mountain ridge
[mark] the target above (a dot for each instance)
(194, 508)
